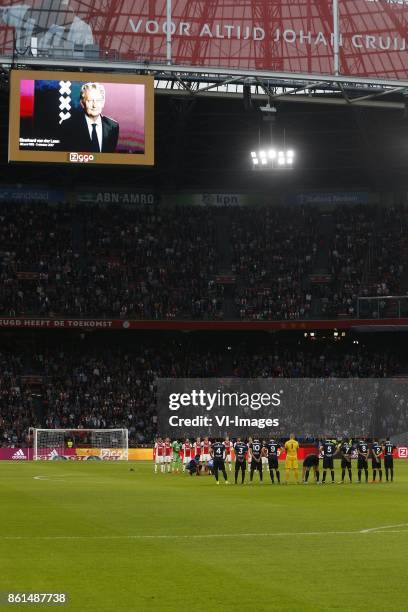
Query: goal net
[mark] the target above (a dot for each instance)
(81, 444)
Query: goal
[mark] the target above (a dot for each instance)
(81, 444)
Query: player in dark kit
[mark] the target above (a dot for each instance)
(376, 451)
(388, 449)
(362, 450)
(328, 449)
(310, 461)
(217, 451)
(273, 449)
(346, 450)
(193, 467)
(256, 452)
(240, 449)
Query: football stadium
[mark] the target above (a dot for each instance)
(204, 305)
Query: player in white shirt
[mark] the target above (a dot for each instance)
(228, 453)
(168, 454)
(249, 454)
(188, 453)
(197, 448)
(159, 455)
(265, 464)
(205, 452)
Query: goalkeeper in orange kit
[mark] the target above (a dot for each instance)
(291, 462)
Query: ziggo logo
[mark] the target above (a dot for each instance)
(81, 158)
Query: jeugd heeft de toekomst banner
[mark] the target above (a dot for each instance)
(265, 407)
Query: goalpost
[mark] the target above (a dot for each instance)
(82, 444)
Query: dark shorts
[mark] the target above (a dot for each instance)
(311, 461)
(273, 463)
(362, 463)
(388, 462)
(376, 465)
(240, 464)
(345, 464)
(219, 464)
(328, 463)
(256, 465)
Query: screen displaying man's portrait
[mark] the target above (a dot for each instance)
(103, 116)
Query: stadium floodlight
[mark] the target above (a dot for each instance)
(272, 155)
(99, 444)
(273, 159)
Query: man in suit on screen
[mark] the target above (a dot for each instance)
(89, 130)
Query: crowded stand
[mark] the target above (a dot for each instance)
(274, 252)
(367, 258)
(164, 263)
(97, 383)
(102, 262)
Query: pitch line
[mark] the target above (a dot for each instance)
(381, 529)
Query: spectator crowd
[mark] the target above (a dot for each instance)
(113, 385)
(164, 263)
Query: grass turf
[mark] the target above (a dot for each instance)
(84, 529)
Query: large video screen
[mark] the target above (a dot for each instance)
(81, 118)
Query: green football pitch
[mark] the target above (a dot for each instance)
(116, 540)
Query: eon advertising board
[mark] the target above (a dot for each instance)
(295, 36)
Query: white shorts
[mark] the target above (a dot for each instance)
(167, 459)
(264, 461)
(159, 459)
(228, 458)
(186, 460)
(204, 458)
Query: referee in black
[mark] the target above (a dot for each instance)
(241, 450)
(217, 451)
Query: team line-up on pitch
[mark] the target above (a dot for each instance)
(210, 457)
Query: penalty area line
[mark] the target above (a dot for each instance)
(203, 536)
